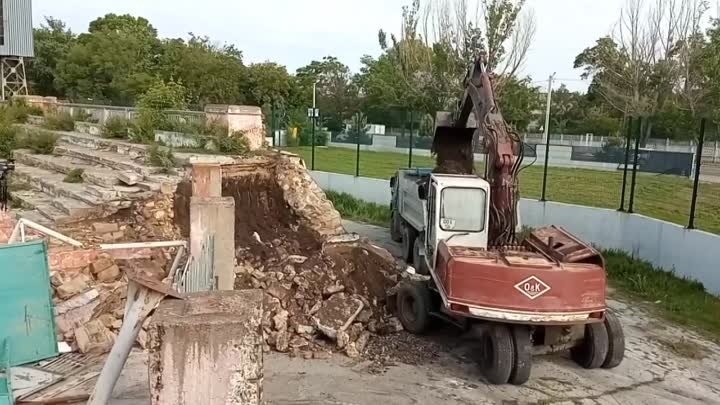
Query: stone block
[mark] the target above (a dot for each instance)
(94, 337)
(337, 314)
(109, 275)
(101, 264)
(74, 286)
(105, 227)
(207, 349)
(130, 178)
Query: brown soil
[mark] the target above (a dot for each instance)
(453, 151)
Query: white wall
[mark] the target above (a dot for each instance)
(689, 253)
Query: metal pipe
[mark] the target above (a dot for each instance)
(696, 183)
(139, 245)
(19, 228)
(547, 159)
(357, 151)
(628, 137)
(639, 126)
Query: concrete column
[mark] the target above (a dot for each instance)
(207, 349)
(206, 180)
(215, 217)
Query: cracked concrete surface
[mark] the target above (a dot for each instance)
(650, 373)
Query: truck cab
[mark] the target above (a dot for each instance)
(457, 212)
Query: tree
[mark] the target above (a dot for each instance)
(212, 73)
(113, 63)
(268, 83)
(337, 96)
(519, 102)
(52, 41)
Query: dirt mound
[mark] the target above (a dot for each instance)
(321, 294)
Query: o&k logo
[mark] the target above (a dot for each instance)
(532, 287)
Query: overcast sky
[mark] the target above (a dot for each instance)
(295, 32)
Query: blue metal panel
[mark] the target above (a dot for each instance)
(26, 311)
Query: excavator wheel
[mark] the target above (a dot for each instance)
(396, 227)
(616, 341)
(418, 260)
(591, 353)
(498, 354)
(413, 306)
(522, 361)
(408, 242)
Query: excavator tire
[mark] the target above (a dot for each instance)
(413, 306)
(419, 261)
(616, 341)
(408, 242)
(591, 353)
(396, 227)
(498, 354)
(522, 362)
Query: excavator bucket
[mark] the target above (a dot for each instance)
(452, 146)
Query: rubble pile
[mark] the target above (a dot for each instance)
(90, 299)
(324, 291)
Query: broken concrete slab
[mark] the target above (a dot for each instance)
(130, 178)
(94, 337)
(207, 349)
(337, 314)
(101, 264)
(76, 285)
(109, 275)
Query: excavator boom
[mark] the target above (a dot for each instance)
(479, 125)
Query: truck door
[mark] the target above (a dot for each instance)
(431, 229)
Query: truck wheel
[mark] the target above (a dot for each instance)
(592, 351)
(498, 354)
(616, 341)
(395, 227)
(413, 304)
(522, 364)
(408, 241)
(419, 261)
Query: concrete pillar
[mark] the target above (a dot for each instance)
(206, 180)
(207, 349)
(215, 217)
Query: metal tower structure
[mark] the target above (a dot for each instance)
(16, 44)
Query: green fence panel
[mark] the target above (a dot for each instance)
(27, 321)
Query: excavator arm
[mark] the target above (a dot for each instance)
(479, 125)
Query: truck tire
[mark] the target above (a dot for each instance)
(498, 354)
(522, 362)
(413, 306)
(408, 242)
(616, 341)
(592, 351)
(419, 261)
(395, 227)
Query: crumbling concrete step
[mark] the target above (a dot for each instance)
(98, 143)
(34, 216)
(100, 176)
(51, 183)
(106, 158)
(42, 204)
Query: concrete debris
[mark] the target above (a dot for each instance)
(109, 275)
(105, 227)
(78, 284)
(336, 314)
(129, 178)
(94, 337)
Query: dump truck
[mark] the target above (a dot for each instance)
(538, 294)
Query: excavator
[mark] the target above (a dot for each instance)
(525, 296)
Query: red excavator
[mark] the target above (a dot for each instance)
(542, 294)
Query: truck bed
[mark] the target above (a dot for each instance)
(409, 205)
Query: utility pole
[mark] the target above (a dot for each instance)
(312, 163)
(551, 79)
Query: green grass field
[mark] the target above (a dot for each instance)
(664, 197)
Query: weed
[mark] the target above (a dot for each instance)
(39, 141)
(83, 116)
(163, 157)
(59, 122)
(117, 127)
(357, 210)
(8, 140)
(74, 176)
(236, 144)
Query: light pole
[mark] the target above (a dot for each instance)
(312, 161)
(547, 135)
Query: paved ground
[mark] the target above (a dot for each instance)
(652, 372)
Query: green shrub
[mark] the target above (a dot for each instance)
(75, 176)
(39, 141)
(35, 110)
(60, 122)
(163, 157)
(236, 144)
(352, 208)
(118, 128)
(8, 139)
(83, 116)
